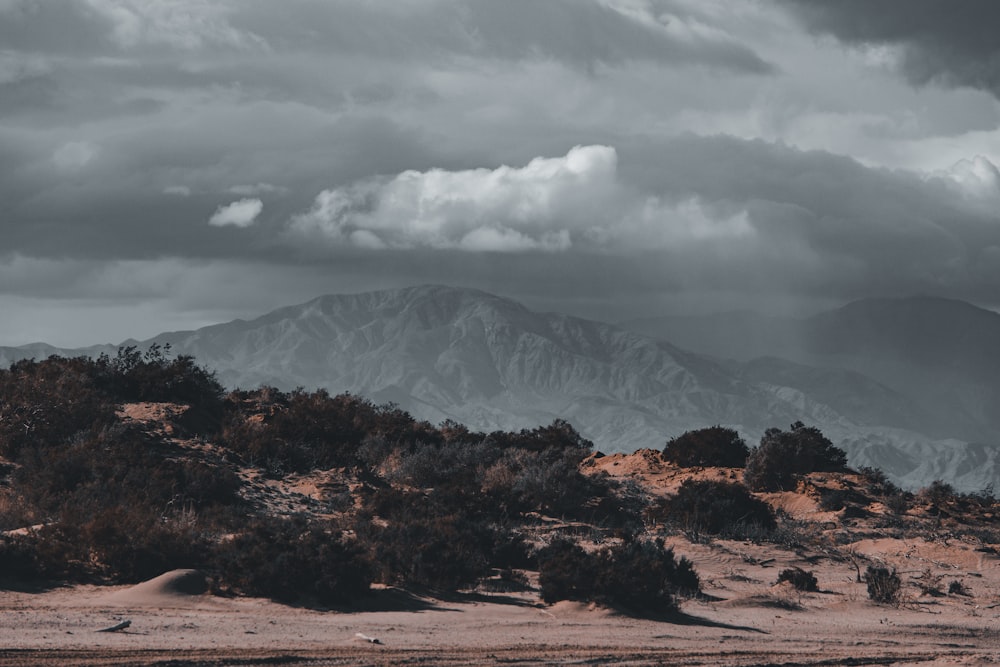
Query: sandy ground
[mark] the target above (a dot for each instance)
(746, 620)
(744, 617)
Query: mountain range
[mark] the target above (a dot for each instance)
(906, 385)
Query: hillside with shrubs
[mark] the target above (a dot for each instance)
(117, 469)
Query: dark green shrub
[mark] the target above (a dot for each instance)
(291, 560)
(714, 507)
(567, 572)
(556, 441)
(129, 546)
(899, 503)
(883, 585)
(956, 587)
(18, 562)
(799, 578)
(44, 403)
(878, 482)
(644, 575)
(782, 455)
(640, 575)
(939, 493)
(713, 446)
(832, 500)
(302, 431)
(547, 482)
(120, 466)
(442, 554)
(133, 376)
(451, 463)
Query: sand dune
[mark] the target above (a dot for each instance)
(171, 589)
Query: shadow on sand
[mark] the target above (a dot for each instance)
(680, 618)
(394, 599)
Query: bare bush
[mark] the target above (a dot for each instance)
(883, 585)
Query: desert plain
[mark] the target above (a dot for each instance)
(743, 616)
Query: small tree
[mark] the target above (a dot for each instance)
(713, 446)
(782, 455)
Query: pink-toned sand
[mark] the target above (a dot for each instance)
(747, 621)
(744, 618)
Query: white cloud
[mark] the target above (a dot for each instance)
(549, 205)
(177, 190)
(978, 177)
(503, 209)
(240, 213)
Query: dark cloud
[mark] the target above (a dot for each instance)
(574, 31)
(954, 43)
(63, 28)
(751, 219)
(380, 145)
(826, 224)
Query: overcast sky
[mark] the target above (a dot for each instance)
(166, 164)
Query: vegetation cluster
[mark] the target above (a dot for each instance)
(87, 495)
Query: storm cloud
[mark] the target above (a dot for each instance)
(933, 41)
(167, 165)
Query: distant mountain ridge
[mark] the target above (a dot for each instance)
(942, 354)
(449, 353)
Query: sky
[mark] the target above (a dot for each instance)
(168, 164)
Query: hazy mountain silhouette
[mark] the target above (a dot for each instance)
(943, 355)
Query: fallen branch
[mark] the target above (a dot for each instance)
(116, 628)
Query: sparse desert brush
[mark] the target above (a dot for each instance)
(713, 446)
(938, 494)
(799, 578)
(878, 482)
(714, 507)
(957, 587)
(929, 583)
(883, 585)
(898, 503)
